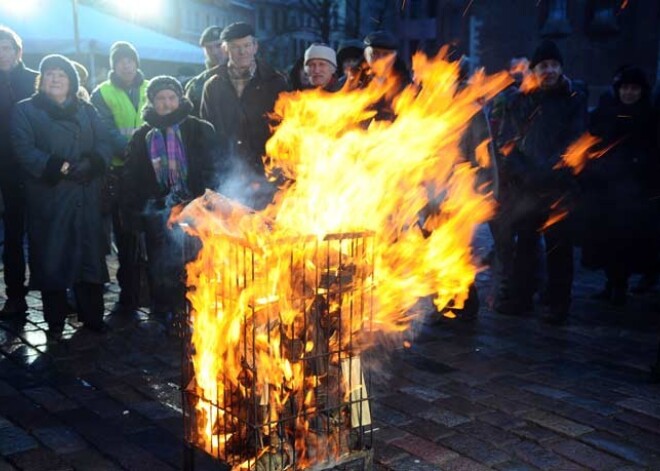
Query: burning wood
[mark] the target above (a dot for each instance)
(286, 300)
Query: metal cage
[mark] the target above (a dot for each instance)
(325, 421)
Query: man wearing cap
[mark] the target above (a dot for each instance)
(16, 83)
(538, 126)
(321, 66)
(215, 56)
(119, 101)
(237, 101)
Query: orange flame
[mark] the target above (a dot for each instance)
(529, 82)
(345, 175)
(580, 152)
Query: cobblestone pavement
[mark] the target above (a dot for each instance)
(497, 393)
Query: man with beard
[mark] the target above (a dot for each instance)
(215, 56)
(538, 126)
(237, 101)
(16, 83)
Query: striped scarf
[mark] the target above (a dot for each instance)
(168, 158)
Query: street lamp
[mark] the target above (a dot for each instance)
(76, 31)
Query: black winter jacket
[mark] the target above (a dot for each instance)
(64, 223)
(16, 85)
(541, 125)
(242, 123)
(140, 186)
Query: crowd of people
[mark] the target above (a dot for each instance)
(86, 171)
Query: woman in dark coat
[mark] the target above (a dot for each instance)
(619, 232)
(63, 149)
(171, 160)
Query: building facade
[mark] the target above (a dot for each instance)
(596, 36)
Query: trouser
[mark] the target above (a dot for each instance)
(166, 264)
(89, 304)
(13, 256)
(518, 251)
(128, 272)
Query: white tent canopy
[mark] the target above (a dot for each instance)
(50, 29)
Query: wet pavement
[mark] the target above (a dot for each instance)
(497, 393)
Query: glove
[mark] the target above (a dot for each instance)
(80, 172)
(98, 163)
(52, 174)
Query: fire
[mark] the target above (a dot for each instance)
(580, 152)
(557, 214)
(529, 82)
(345, 175)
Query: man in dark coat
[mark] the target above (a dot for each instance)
(538, 126)
(237, 101)
(64, 149)
(16, 83)
(215, 56)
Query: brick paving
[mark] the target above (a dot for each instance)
(497, 393)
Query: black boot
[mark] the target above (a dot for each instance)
(14, 307)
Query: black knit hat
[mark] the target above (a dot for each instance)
(237, 30)
(381, 40)
(351, 49)
(163, 82)
(122, 49)
(56, 61)
(210, 35)
(631, 75)
(545, 51)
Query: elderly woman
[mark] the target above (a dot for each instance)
(171, 160)
(63, 149)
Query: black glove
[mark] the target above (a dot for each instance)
(97, 162)
(80, 172)
(52, 174)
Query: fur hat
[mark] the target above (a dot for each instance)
(56, 61)
(210, 35)
(321, 51)
(163, 82)
(381, 40)
(122, 49)
(545, 51)
(237, 30)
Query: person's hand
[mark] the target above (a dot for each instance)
(80, 172)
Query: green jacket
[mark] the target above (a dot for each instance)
(122, 114)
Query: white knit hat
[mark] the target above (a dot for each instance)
(321, 51)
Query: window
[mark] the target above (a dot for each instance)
(432, 8)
